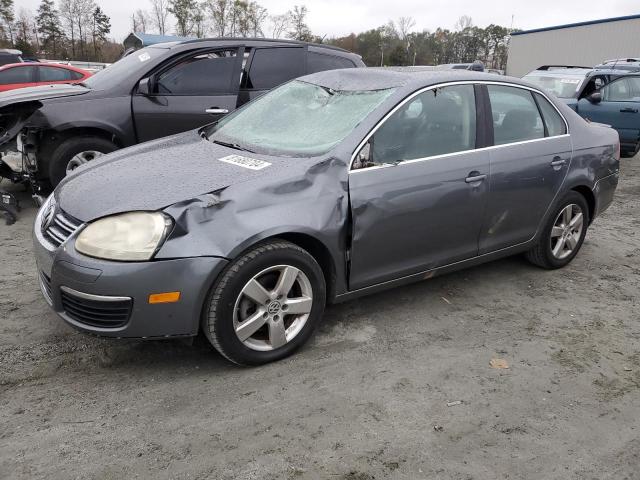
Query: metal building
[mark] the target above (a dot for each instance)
(585, 44)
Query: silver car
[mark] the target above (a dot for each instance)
(333, 186)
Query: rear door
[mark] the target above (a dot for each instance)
(269, 67)
(419, 203)
(17, 77)
(49, 74)
(188, 92)
(529, 161)
(620, 108)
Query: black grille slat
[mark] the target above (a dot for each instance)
(96, 313)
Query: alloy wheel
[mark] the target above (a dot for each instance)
(82, 158)
(567, 231)
(273, 307)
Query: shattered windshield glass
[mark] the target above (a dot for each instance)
(297, 119)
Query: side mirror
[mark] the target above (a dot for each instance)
(363, 158)
(595, 97)
(145, 86)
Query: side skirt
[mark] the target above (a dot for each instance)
(417, 277)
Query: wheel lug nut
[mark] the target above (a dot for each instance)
(276, 318)
(265, 315)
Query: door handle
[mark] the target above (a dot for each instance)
(558, 162)
(475, 177)
(216, 110)
(629, 110)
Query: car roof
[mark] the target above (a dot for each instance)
(379, 78)
(43, 64)
(252, 42)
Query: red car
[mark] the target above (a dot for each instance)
(19, 75)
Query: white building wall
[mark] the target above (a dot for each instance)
(585, 45)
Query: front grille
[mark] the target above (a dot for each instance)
(57, 226)
(96, 311)
(45, 286)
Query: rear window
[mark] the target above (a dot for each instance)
(271, 67)
(515, 115)
(319, 62)
(552, 119)
(54, 74)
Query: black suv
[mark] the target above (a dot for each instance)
(154, 92)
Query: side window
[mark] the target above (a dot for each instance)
(552, 119)
(271, 67)
(434, 122)
(17, 75)
(208, 73)
(319, 62)
(515, 115)
(75, 75)
(54, 74)
(622, 90)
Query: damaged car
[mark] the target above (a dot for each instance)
(155, 92)
(332, 186)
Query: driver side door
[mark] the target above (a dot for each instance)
(418, 200)
(188, 92)
(619, 107)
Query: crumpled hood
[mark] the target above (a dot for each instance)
(156, 174)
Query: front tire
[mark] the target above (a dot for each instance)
(74, 152)
(563, 235)
(266, 304)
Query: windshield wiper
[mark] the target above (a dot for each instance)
(232, 145)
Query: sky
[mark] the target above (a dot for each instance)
(337, 18)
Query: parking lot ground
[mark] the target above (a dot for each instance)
(367, 398)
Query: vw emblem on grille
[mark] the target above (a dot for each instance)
(274, 307)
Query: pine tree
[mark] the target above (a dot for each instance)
(101, 26)
(48, 23)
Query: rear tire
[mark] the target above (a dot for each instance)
(62, 154)
(563, 234)
(266, 304)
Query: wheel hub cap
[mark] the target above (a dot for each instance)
(567, 231)
(273, 307)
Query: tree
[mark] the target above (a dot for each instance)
(140, 20)
(7, 18)
(49, 28)
(279, 24)
(220, 12)
(68, 15)
(299, 28)
(23, 27)
(184, 11)
(100, 28)
(160, 15)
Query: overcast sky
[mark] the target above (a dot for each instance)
(341, 17)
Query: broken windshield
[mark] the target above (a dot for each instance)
(297, 119)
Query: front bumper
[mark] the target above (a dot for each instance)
(111, 298)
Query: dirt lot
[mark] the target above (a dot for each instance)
(366, 399)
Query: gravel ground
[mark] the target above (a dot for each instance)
(367, 398)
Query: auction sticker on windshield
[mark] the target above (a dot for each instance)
(143, 57)
(246, 162)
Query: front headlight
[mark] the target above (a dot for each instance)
(126, 237)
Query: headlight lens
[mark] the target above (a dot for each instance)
(130, 236)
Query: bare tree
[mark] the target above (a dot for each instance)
(299, 28)
(68, 10)
(160, 15)
(279, 24)
(463, 23)
(140, 21)
(219, 10)
(405, 24)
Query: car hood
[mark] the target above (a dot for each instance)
(44, 92)
(157, 174)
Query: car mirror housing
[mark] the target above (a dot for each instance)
(595, 97)
(145, 86)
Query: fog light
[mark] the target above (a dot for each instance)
(167, 297)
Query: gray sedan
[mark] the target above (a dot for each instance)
(332, 186)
